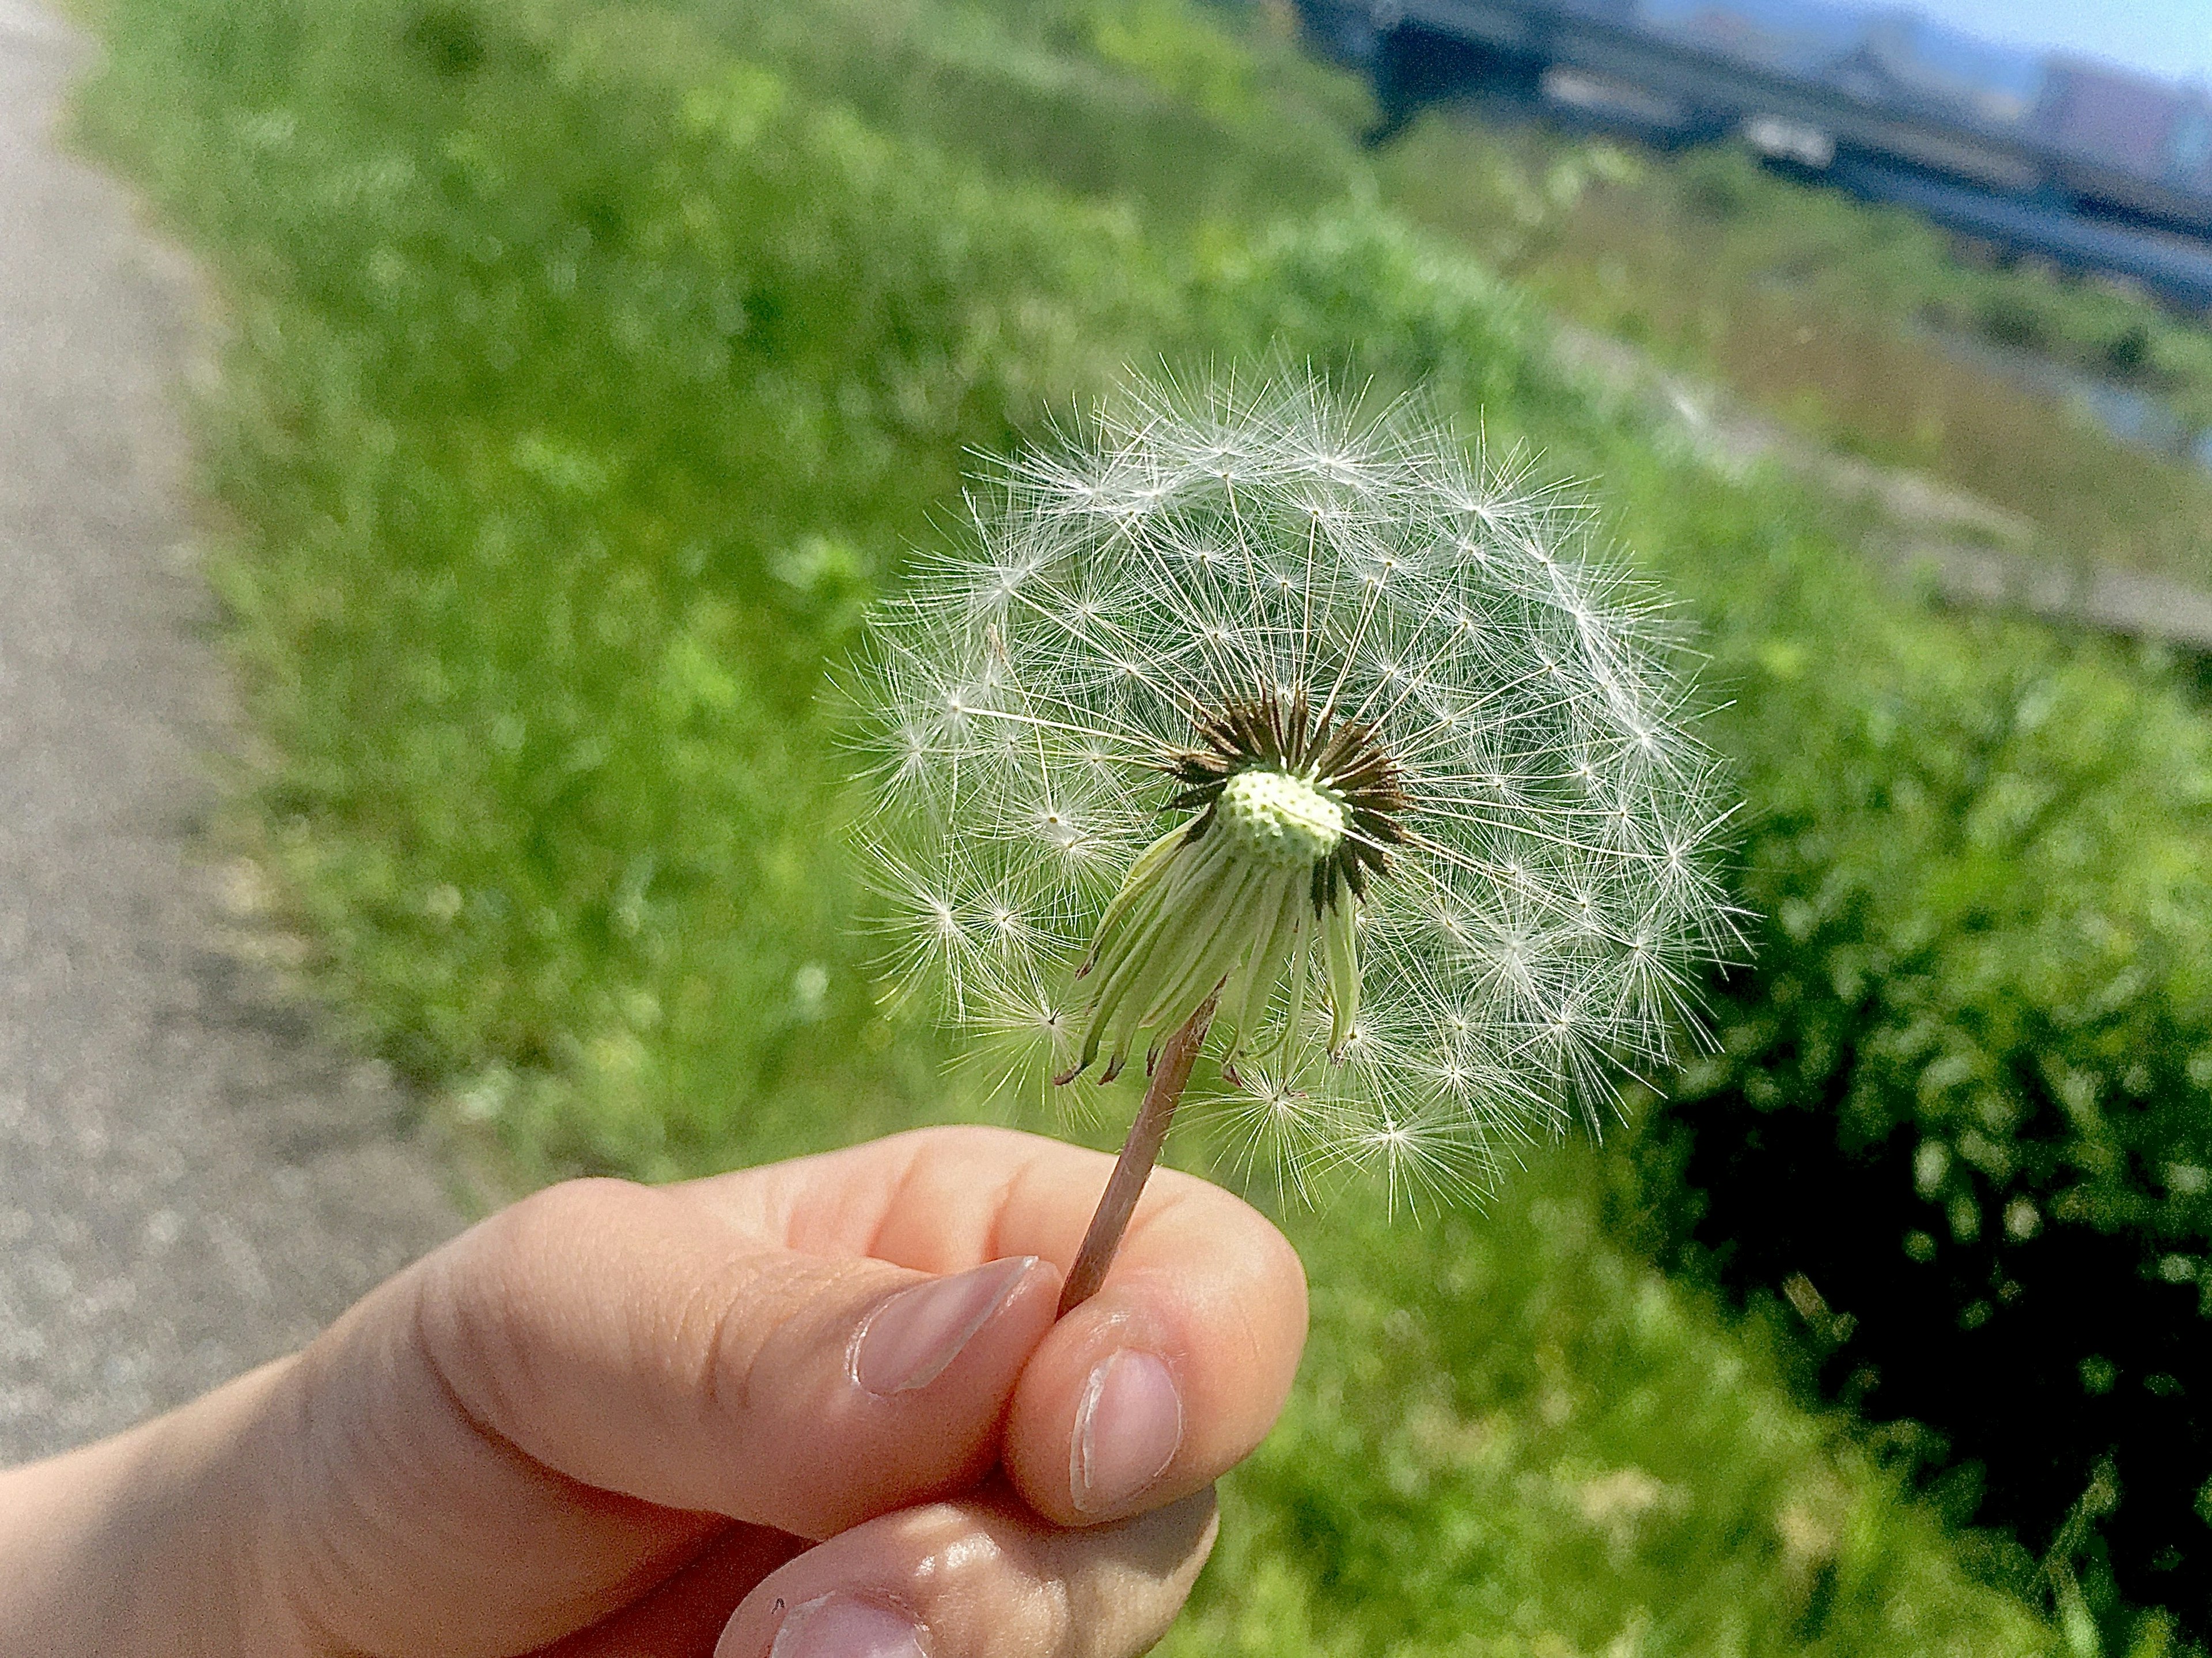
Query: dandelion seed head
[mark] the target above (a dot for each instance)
(1238, 693)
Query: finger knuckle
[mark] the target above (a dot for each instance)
(1017, 1610)
(477, 1304)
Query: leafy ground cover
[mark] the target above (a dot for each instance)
(588, 368)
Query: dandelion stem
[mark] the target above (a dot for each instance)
(1139, 1153)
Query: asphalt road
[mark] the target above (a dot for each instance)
(194, 1178)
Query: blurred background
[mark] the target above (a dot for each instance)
(586, 366)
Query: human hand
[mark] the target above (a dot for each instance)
(828, 1393)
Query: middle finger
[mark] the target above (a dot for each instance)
(980, 1578)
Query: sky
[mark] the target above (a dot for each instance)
(2171, 38)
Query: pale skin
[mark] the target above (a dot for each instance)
(734, 1417)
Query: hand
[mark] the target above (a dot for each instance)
(821, 1409)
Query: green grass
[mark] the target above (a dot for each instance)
(1513, 1435)
(587, 369)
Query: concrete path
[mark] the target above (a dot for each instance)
(192, 1178)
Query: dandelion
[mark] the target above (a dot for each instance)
(1241, 725)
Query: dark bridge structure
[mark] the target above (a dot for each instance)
(2090, 168)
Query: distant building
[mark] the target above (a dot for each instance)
(2149, 127)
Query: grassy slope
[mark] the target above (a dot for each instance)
(1828, 313)
(583, 380)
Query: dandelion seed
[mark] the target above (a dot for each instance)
(1247, 726)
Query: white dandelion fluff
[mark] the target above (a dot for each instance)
(1240, 721)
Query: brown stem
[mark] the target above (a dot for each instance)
(1139, 1153)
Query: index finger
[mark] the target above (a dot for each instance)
(1146, 1393)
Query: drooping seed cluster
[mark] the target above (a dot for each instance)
(1209, 582)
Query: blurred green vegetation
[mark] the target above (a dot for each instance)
(1861, 326)
(586, 368)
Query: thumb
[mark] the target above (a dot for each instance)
(656, 1342)
(588, 1385)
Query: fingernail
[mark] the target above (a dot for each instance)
(1127, 1430)
(846, 1626)
(908, 1341)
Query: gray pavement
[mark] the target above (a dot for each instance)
(192, 1176)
